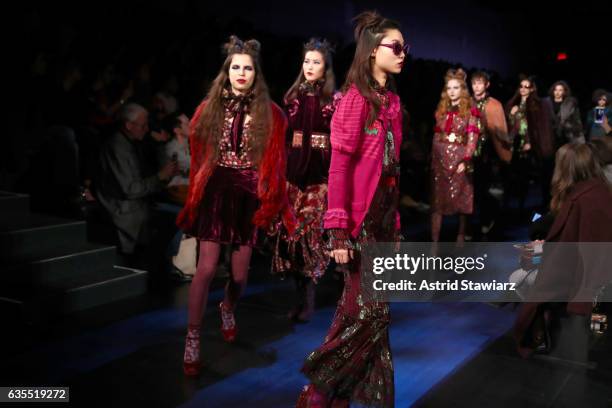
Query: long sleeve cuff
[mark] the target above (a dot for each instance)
(335, 218)
(339, 238)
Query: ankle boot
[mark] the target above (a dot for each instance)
(228, 323)
(191, 358)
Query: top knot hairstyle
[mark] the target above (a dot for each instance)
(329, 80)
(465, 101)
(370, 22)
(209, 126)
(370, 29)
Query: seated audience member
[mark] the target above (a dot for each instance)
(558, 315)
(125, 187)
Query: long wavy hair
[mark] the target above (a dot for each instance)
(370, 29)
(329, 84)
(465, 101)
(574, 162)
(210, 124)
(533, 100)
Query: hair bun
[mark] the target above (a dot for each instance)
(236, 46)
(319, 44)
(458, 73)
(252, 46)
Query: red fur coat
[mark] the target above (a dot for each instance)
(271, 188)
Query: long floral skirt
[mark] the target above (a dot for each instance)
(304, 253)
(354, 363)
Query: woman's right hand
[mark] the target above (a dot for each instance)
(341, 256)
(514, 110)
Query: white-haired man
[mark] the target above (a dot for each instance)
(124, 187)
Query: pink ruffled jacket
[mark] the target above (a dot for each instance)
(357, 156)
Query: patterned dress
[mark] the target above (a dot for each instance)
(354, 363)
(308, 159)
(454, 142)
(520, 129)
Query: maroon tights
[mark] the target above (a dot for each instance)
(207, 266)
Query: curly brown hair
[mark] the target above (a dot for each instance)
(567, 91)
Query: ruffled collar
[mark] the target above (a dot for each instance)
(236, 103)
(311, 88)
(390, 104)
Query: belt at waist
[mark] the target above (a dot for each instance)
(318, 140)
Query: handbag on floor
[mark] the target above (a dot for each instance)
(185, 260)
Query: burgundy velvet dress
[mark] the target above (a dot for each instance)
(454, 141)
(230, 197)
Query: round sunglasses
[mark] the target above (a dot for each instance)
(397, 48)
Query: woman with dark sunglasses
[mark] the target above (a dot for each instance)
(353, 365)
(530, 126)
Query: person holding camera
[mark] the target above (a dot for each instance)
(599, 118)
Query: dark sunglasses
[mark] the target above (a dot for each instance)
(398, 48)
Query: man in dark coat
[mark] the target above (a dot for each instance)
(125, 186)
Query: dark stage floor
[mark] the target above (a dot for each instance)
(129, 353)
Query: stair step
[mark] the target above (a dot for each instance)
(37, 303)
(55, 264)
(14, 202)
(24, 235)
